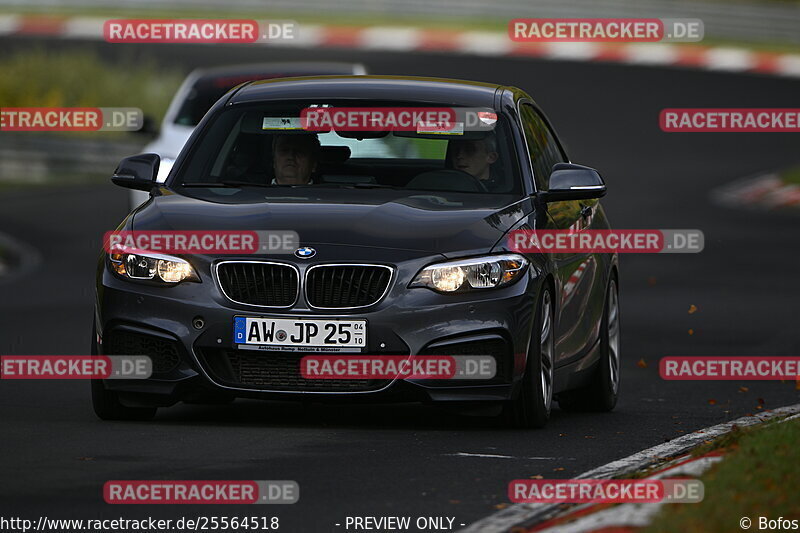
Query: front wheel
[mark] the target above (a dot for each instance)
(108, 407)
(601, 394)
(531, 407)
(106, 403)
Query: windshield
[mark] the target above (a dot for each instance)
(270, 145)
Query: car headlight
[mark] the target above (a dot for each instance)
(487, 272)
(152, 266)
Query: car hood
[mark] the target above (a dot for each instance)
(437, 222)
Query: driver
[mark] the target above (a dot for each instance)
(475, 157)
(294, 158)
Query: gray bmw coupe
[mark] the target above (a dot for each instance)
(403, 250)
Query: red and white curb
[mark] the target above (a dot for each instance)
(528, 514)
(593, 517)
(765, 191)
(630, 516)
(407, 39)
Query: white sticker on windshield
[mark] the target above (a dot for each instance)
(444, 128)
(281, 123)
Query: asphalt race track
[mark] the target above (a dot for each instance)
(409, 460)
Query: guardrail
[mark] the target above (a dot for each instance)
(763, 21)
(48, 159)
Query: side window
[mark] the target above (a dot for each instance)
(542, 146)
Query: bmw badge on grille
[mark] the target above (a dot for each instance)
(305, 252)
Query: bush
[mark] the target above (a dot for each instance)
(36, 78)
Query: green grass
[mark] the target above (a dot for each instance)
(35, 78)
(791, 176)
(760, 476)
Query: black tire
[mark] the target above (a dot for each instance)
(108, 407)
(531, 407)
(601, 394)
(106, 403)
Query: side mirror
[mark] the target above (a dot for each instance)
(137, 172)
(574, 182)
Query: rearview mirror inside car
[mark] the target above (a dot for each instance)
(137, 172)
(574, 182)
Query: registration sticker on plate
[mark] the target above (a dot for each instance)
(299, 334)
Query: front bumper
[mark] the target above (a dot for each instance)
(194, 363)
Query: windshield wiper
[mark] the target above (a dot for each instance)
(237, 184)
(207, 184)
(373, 186)
(226, 183)
(241, 183)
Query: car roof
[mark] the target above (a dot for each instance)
(294, 68)
(399, 88)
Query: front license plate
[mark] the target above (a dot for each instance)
(296, 334)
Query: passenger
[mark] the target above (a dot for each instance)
(294, 158)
